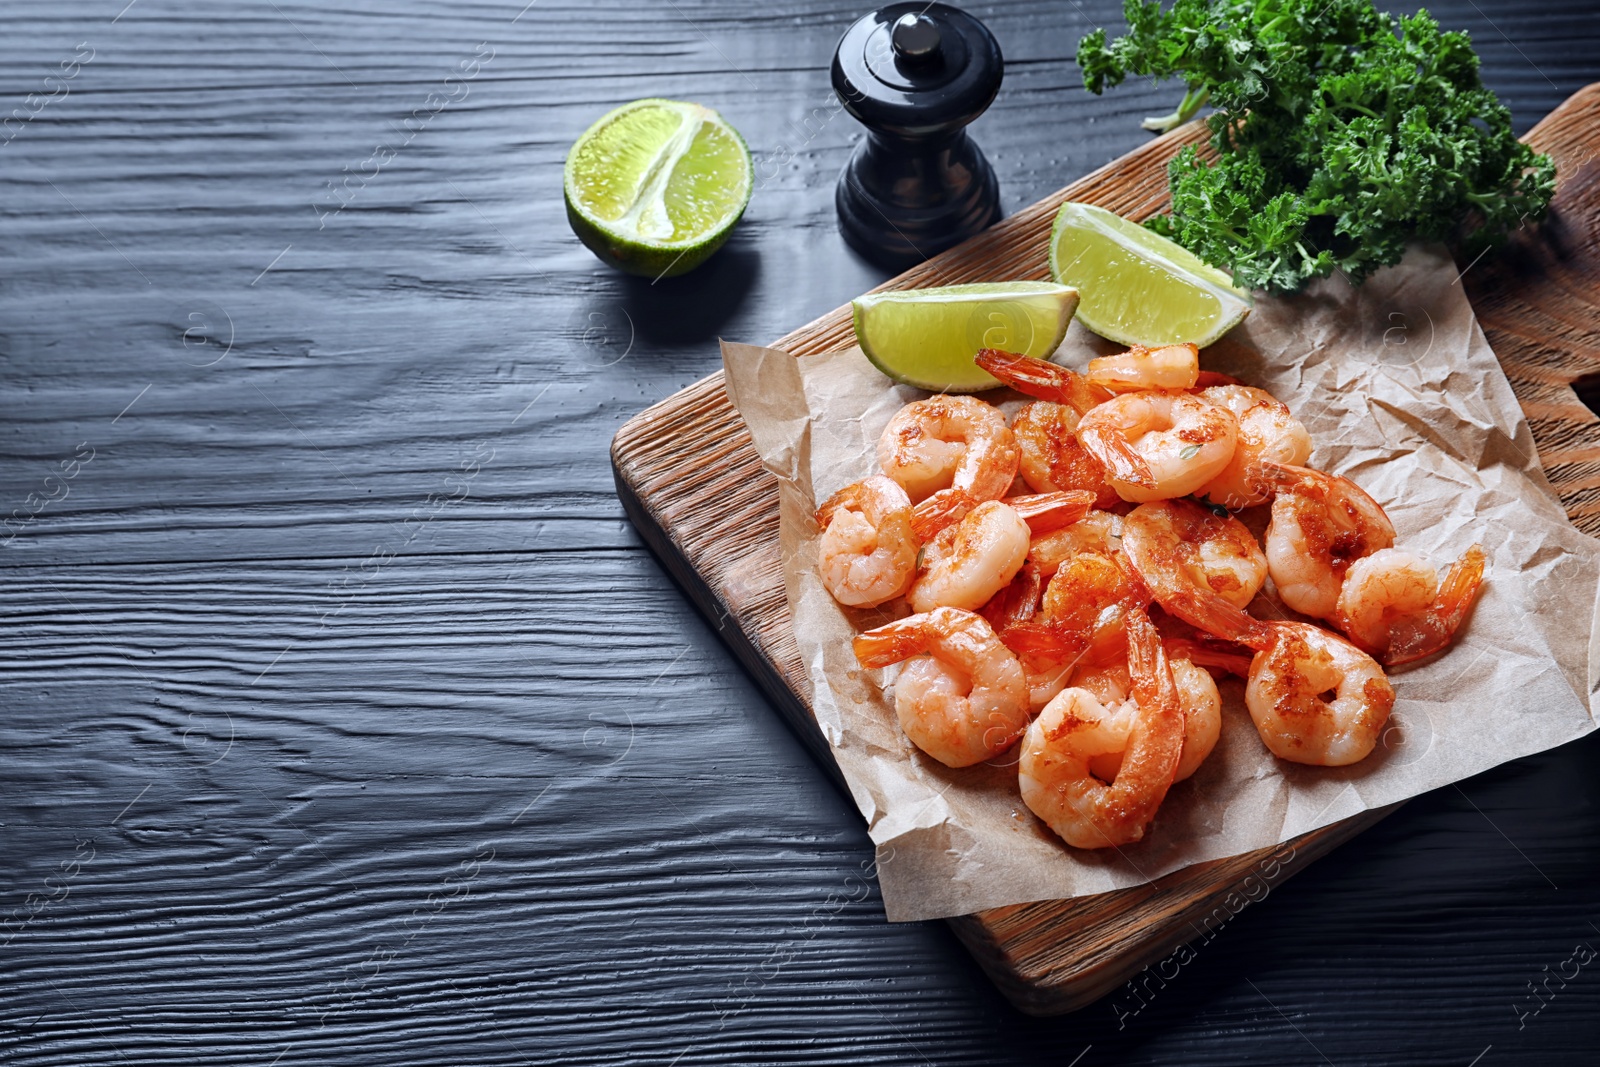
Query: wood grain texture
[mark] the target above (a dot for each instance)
(1539, 302)
(259, 553)
(690, 478)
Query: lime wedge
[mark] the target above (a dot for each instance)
(927, 337)
(656, 186)
(1138, 287)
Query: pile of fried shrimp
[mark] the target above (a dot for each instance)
(1090, 618)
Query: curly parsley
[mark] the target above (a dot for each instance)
(1339, 133)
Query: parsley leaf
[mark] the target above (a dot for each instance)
(1339, 133)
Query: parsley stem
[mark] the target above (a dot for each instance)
(1192, 101)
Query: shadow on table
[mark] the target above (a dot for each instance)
(691, 309)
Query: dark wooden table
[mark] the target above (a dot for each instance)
(346, 720)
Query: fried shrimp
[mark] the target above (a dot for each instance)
(1314, 697)
(1393, 605)
(1176, 545)
(1085, 607)
(1267, 431)
(1197, 694)
(961, 697)
(867, 552)
(949, 443)
(1082, 588)
(972, 560)
(1074, 728)
(1054, 626)
(1172, 367)
(1042, 379)
(1018, 602)
(1097, 531)
(1159, 445)
(1086, 589)
(1045, 513)
(1321, 524)
(1050, 456)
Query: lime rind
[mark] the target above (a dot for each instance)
(1149, 242)
(965, 293)
(927, 337)
(643, 238)
(1184, 269)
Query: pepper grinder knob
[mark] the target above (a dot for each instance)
(915, 74)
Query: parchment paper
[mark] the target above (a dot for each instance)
(1402, 393)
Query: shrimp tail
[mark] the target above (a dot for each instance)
(1018, 602)
(1210, 378)
(1431, 630)
(1042, 379)
(1043, 639)
(1148, 666)
(1209, 612)
(944, 508)
(1139, 594)
(1118, 457)
(1153, 761)
(892, 642)
(1225, 658)
(848, 497)
(1046, 512)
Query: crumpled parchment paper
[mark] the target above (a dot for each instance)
(1401, 393)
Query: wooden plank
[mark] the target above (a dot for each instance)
(691, 481)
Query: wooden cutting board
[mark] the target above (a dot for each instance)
(690, 480)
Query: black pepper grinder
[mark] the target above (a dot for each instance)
(915, 74)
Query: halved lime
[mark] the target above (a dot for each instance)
(927, 337)
(1138, 287)
(656, 186)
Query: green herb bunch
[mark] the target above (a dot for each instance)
(1340, 133)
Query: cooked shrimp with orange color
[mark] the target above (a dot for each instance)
(961, 696)
(1098, 531)
(1084, 591)
(867, 553)
(1050, 457)
(1314, 697)
(1197, 695)
(970, 561)
(1172, 543)
(1321, 524)
(1267, 433)
(1075, 728)
(1105, 602)
(1140, 368)
(1393, 605)
(954, 443)
(1158, 445)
